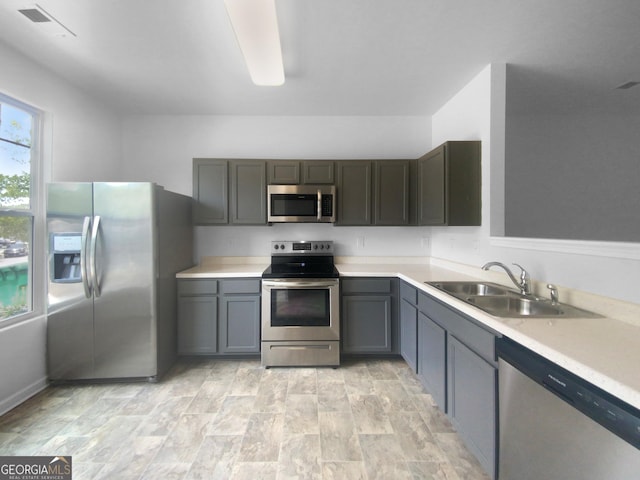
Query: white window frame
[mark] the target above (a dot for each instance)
(37, 245)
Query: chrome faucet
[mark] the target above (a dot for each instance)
(525, 281)
(553, 291)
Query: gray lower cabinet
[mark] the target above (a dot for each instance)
(218, 316)
(471, 389)
(409, 324)
(456, 364)
(197, 325)
(432, 357)
(197, 317)
(368, 315)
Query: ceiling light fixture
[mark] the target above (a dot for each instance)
(256, 27)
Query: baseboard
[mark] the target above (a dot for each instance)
(22, 395)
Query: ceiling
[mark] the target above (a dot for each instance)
(341, 57)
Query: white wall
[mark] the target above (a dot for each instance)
(477, 112)
(82, 136)
(81, 140)
(161, 148)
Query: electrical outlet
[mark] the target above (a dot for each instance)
(360, 242)
(425, 242)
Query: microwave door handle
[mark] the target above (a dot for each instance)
(319, 205)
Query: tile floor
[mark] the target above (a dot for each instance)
(233, 419)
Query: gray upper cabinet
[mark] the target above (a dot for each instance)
(296, 172)
(376, 192)
(449, 185)
(392, 192)
(318, 172)
(229, 191)
(248, 192)
(354, 192)
(283, 172)
(210, 191)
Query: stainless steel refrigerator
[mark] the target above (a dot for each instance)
(114, 250)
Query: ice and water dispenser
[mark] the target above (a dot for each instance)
(66, 252)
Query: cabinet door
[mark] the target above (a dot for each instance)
(354, 193)
(366, 322)
(391, 192)
(318, 172)
(210, 179)
(409, 333)
(283, 172)
(464, 180)
(472, 402)
(248, 192)
(432, 188)
(432, 358)
(240, 324)
(197, 325)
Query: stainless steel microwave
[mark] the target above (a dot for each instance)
(301, 203)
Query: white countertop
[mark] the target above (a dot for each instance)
(604, 351)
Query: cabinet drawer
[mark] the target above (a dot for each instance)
(240, 286)
(366, 285)
(461, 327)
(409, 293)
(197, 287)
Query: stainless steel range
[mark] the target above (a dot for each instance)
(300, 306)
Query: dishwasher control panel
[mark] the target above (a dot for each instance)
(612, 413)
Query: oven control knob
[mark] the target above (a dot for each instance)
(276, 247)
(282, 246)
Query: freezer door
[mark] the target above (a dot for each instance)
(69, 309)
(125, 273)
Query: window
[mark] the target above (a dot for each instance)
(19, 162)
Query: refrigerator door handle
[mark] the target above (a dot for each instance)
(84, 257)
(92, 256)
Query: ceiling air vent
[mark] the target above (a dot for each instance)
(35, 15)
(627, 86)
(45, 21)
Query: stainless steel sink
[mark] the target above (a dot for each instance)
(509, 306)
(472, 288)
(503, 302)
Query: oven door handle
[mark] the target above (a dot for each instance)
(299, 283)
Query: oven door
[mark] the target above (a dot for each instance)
(300, 309)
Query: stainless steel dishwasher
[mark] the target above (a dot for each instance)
(556, 426)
